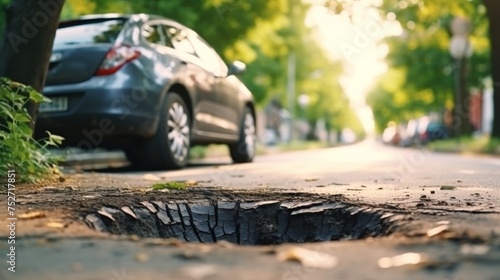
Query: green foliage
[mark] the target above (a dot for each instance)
(231, 20)
(170, 186)
(18, 150)
(421, 76)
(3, 8)
(467, 144)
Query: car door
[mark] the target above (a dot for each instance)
(178, 60)
(200, 79)
(225, 90)
(205, 104)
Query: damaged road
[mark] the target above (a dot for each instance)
(359, 212)
(243, 222)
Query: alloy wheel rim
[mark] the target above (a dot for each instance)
(250, 138)
(178, 131)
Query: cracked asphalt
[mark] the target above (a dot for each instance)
(449, 203)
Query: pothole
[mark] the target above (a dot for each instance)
(242, 222)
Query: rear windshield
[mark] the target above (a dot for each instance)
(86, 32)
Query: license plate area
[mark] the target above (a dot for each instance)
(58, 104)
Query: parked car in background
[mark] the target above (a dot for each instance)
(391, 134)
(409, 133)
(430, 130)
(147, 85)
(423, 130)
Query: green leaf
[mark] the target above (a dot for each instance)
(25, 129)
(170, 185)
(38, 97)
(23, 118)
(9, 96)
(55, 138)
(4, 109)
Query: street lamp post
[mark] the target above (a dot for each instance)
(290, 93)
(303, 101)
(460, 50)
(291, 84)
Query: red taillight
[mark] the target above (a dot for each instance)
(115, 58)
(424, 136)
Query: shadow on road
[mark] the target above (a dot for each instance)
(127, 168)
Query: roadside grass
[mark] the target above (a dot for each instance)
(302, 145)
(471, 145)
(22, 158)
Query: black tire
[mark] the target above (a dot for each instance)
(169, 147)
(135, 156)
(244, 150)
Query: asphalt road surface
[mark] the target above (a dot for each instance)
(458, 192)
(368, 171)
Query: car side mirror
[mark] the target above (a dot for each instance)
(237, 68)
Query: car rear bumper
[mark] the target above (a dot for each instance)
(99, 117)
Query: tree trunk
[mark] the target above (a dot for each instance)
(26, 45)
(493, 11)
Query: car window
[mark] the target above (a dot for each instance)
(435, 125)
(179, 39)
(209, 57)
(85, 32)
(154, 33)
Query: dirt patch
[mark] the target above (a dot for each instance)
(78, 204)
(63, 206)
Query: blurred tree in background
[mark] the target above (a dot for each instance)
(493, 9)
(420, 79)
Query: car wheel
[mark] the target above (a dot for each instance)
(244, 150)
(169, 147)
